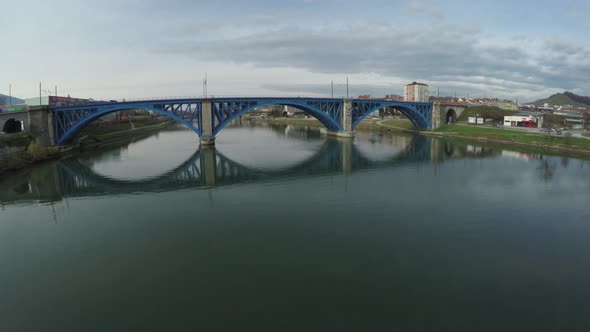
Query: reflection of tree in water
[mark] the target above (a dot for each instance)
(547, 169)
(565, 161)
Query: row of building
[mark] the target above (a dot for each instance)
(13, 104)
(419, 92)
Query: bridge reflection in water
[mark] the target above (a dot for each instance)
(209, 167)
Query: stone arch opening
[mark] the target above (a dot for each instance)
(12, 126)
(451, 116)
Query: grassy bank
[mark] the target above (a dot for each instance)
(487, 112)
(33, 153)
(100, 128)
(15, 140)
(505, 137)
(97, 138)
(98, 135)
(516, 137)
(398, 123)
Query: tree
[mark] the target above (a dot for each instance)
(587, 120)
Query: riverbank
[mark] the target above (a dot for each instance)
(506, 137)
(21, 150)
(93, 139)
(366, 125)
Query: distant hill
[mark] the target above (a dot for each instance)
(5, 100)
(566, 98)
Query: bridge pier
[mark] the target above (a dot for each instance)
(442, 112)
(207, 137)
(41, 125)
(346, 121)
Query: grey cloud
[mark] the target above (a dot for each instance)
(426, 53)
(339, 89)
(424, 7)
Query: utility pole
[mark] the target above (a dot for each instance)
(347, 96)
(9, 94)
(56, 91)
(39, 93)
(205, 86)
(332, 89)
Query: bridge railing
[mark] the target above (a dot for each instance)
(165, 98)
(211, 97)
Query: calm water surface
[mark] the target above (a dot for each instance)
(282, 229)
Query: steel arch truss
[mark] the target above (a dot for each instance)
(68, 121)
(420, 114)
(327, 111)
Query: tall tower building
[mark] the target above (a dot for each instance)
(416, 92)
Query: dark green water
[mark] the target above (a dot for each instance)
(281, 229)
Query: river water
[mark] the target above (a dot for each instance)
(282, 229)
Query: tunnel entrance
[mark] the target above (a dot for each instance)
(12, 126)
(451, 116)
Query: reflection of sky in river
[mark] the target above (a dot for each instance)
(142, 159)
(377, 147)
(249, 147)
(258, 148)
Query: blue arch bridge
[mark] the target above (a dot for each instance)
(208, 116)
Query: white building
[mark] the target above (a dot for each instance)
(416, 92)
(527, 121)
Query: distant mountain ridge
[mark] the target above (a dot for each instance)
(5, 100)
(566, 98)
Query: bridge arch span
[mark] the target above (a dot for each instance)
(207, 117)
(89, 115)
(225, 111)
(420, 114)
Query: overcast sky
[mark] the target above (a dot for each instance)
(131, 49)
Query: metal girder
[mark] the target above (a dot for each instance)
(68, 121)
(327, 111)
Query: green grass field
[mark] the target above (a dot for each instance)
(486, 112)
(513, 136)
(399, 123)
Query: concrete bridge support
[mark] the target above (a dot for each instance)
(346, 121)
(207, 137)
(445, 113)
(41, 125)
